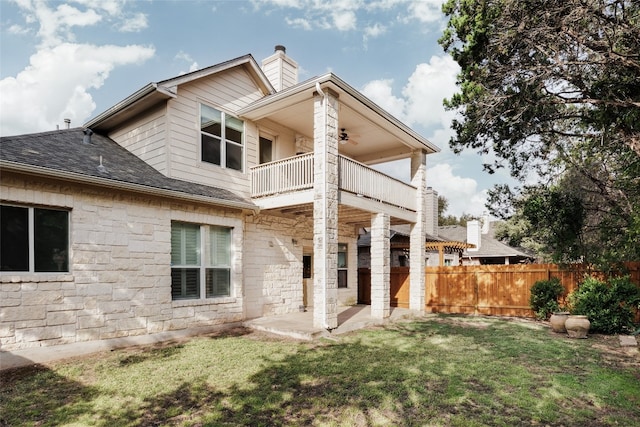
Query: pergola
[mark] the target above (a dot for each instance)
(441, 247)
(448, 247)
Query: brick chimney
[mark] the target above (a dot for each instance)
(280, 69)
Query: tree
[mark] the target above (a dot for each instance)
(552, 89)
(443, 219)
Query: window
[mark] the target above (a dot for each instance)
(221, 138)
(306, 266)
(342, 265)
(200, 267)
(266, 150)
(34, 239)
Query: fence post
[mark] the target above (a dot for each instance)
(476, 295)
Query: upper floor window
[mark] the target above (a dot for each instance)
(34, 239)
(221, 137)
(200, 261)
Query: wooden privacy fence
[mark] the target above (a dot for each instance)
(500, 290)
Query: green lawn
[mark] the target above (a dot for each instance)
(441, 371)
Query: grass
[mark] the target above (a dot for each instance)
(442, 371)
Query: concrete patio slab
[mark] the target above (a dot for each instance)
(300, 325)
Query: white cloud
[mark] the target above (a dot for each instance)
(57, 82)
(426, 10)
(375, 30)
(427, 87)
(56, 25)
(344, 20)
(56, 85)
(422, 96)
(462, 193)
(134, 24)
(17, 29)
(343, 15)
(381, 92)
(299, 23)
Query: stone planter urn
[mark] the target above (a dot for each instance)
(557, 321)
(577, 326)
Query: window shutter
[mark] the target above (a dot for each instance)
(220, 247)
(185, 244)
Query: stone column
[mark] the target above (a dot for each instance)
(325, 210)
(418, 232)
(380, 266)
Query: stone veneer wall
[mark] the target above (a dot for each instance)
(119, 284)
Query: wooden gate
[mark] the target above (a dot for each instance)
(399, 278)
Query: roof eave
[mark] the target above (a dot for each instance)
(146, 97)
(261, 108)
(121, 185)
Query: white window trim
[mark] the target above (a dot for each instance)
(223, 140)
(32, 244)
(205, 263)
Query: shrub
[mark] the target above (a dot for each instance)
(544, 297)
(609, 306)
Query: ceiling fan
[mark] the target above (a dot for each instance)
(343, 138)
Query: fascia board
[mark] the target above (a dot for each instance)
(150, 91)
(247, 61)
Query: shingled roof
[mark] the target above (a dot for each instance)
(66, 155)
(489, 247)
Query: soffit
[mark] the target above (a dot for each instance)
(374, 135)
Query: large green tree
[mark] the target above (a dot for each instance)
(552, 90)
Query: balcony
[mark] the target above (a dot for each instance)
(290, 181)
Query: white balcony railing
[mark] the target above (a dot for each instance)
(282, 176)
(360, 179)
(296, 173)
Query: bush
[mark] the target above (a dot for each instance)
(544, 297)
(609, 306)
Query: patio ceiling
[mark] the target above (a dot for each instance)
(374, 135)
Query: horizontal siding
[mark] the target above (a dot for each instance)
(145, 136)
(228, 91)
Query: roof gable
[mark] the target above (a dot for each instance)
(158, 92)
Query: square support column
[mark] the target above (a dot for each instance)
(325, 210)
(380, 266)
(418, 233)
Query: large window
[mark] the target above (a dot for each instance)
(342, 265)
(200, 266)
(222, 138)
(34, 239)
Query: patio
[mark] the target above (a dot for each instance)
(300, 325)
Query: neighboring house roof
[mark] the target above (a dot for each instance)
(65, 155)
(489, 246)
(400, 239)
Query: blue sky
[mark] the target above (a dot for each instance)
(75, 59)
